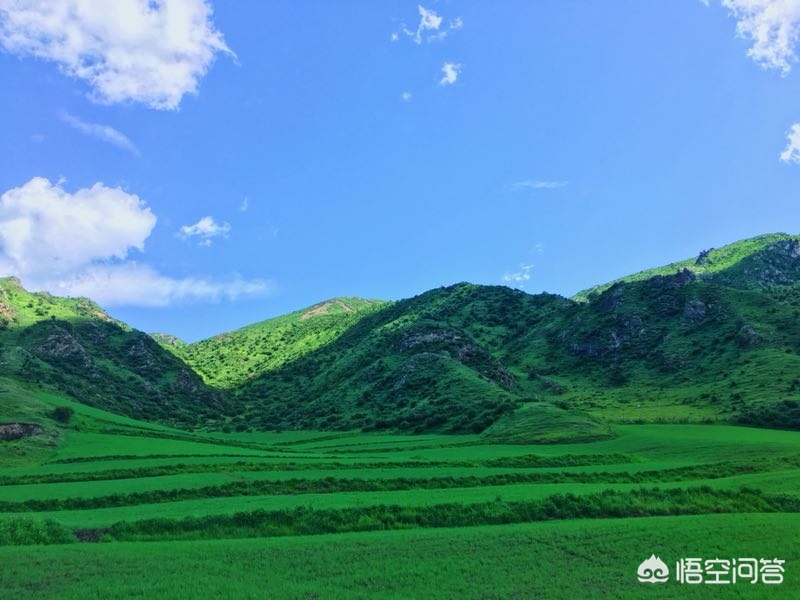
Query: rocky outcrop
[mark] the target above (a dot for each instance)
(747, 336)
(695, 311)
(59, 344)
(456, 346)
(703, 258)
(17, 431)
(673, 282)
(141, 355)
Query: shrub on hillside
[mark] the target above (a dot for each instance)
(784, 414)
(20, 531)
(62, 414)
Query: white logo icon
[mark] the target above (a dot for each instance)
(653, 570)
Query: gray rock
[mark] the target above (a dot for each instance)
(695, 311)
(17, 431)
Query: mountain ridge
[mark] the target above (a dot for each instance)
(707, 263)
(701, 340)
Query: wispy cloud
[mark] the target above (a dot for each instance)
(538, 184)
(406, 96)
(518, 279)
(151, 53)
(440, 35)
(428, 21)
(773, 26)
(791, 154)
(245, 205)
(104, 133)
(132, 284)
(205, 229)
(451, 72)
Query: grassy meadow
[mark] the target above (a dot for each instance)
(109, 507)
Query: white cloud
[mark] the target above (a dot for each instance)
(518, 279)
(451, 72)
(79, 244)
(773, 26)
(45, 230)
(245, 205)
(101, 132)
(205, 229)
(406, 96)
(538, 184)
(429, 21)
(151, 52)
(791, 154)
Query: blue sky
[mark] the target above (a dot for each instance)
(196, 167)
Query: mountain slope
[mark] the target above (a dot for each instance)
(721, 344)
(230, 359)
(429, 363)
(758, 262)
(72, 345)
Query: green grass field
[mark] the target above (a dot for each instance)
(353, 515)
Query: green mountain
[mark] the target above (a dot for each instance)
(231, 359)
(716, 337)
(756, 263)
(429, 363)
(72, 345)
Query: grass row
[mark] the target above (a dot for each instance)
(607, 504)
(330, 485)
(302, 520)
(524, 461)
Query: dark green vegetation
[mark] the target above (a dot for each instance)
(166, 513)
(716, 338)
(711, 339)
(72, 345)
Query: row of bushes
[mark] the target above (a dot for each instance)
(607, 504)
(304, 521)
(524, 461)
(329, 485)
(565, 460)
